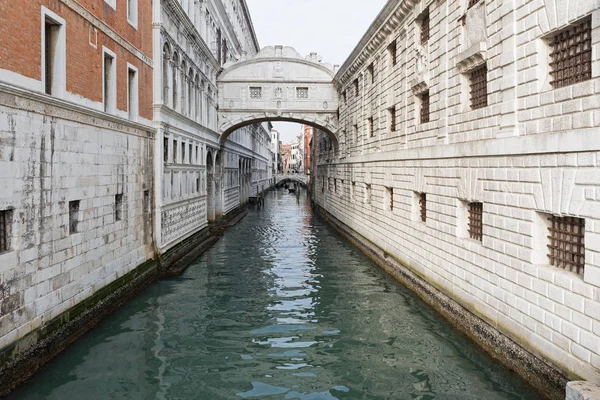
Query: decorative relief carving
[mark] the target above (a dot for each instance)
(182, 219)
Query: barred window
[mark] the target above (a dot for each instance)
(5, 221)
(392, 53)
(571, 54)
(367, 193)
(478, 83)
(472, 3)
(73, 216)
(390, 198)
(255, 92)
(118, 207)
(371, 127)
(356, 91)
(423, 206)
(424, 107)
(345, 96)
(302, 93)
(392, 118)
(567, 247)
(425, 28)
(476, 221)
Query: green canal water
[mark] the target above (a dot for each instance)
(280, 308)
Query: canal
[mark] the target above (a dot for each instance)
(280, 308)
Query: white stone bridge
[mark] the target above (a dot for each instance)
(278, 84)
(280, 179)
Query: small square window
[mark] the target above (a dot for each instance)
(478, 88)
(256, 93)
(476, 221)
(566, 249)
(571, 54)
(73, 217)
(302, 93)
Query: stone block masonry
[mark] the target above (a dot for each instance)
(507, 160)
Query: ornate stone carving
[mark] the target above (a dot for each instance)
(182, 219)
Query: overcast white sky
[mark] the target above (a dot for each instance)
(331, 28)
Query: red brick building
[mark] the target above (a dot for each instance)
(308, 134)
(97, 53)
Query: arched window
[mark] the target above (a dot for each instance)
(175, 81)
(184, 80)
(165, 73)
(197, 97)
(191, 94)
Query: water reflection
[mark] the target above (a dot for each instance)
(280, 308)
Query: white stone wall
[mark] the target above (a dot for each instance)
(46, 161)
(532, 152)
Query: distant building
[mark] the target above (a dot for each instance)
(308, 134)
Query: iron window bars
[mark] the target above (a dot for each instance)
(567, 247)
(476, 221)
(571, 54)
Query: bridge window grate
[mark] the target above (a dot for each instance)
(302, 93)
(256, 93)
(572, 54)
(5, 220)
(476, 221)
(567, 247)
(423, 206)
(478, 83)
(424, 107)
(425, 28)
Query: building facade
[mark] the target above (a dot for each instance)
(307, 140)
(200, 176)
(76, 155)
(468, 151)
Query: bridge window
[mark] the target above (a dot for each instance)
(424, 97)
(302, 93)
(478, 88)
(392, 54)
(572, 54)
(255, 92)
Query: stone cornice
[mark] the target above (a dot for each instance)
(191, 32)
(472, 58)
(388, 20)
(40, 103)
(107, 30)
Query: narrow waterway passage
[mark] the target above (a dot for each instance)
(280, 308)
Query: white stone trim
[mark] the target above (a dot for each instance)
(111, 108)
(60, 62)
(136, 97)
(132, 13)
(111, 3)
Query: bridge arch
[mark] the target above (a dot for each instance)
(278, 84)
